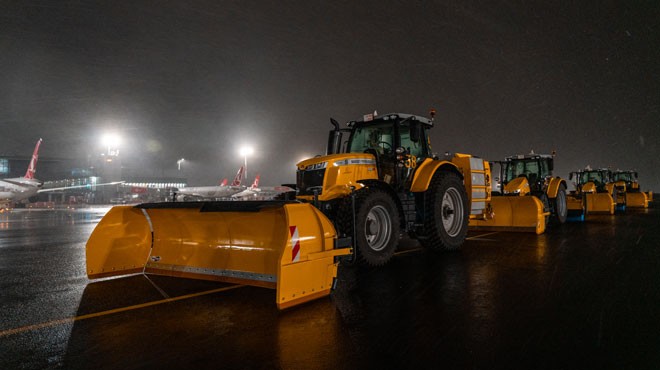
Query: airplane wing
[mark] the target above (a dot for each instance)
(78, 186)
(267, 192)
(18, 183)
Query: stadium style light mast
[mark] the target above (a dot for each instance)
(111, 141)
(245, 151)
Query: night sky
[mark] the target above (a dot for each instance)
(199, 79)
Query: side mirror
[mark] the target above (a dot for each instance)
(415, 133)
(636, 175)
(570, 176)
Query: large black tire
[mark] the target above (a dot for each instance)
(559, 207)
(447, 212)
(377, 226)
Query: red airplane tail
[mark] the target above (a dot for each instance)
(223, 182)
(255, 184)
(32, 168)
(239, 177)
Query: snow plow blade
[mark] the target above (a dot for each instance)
(600, 203)
(514, 213)
(287, 246)
(577, 207)
(637, 200)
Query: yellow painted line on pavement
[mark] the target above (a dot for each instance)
(407, 251)
(42, 325)
(419, 248)
(482, 235)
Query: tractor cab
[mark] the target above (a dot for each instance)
(398, 142)
(590, 181)
(629, 178)
(528, 173)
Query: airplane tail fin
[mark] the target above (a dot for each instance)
(255, 184)
(223, 182)
(32, 168)
(239, 177)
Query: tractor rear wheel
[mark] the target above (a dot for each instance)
(446, 212)
(559, 205)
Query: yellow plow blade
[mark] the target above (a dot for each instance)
(287, 246)
(576, 207)
(514, 213)
(600, 203)
(637, 200)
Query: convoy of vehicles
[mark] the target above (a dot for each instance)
(379, 179)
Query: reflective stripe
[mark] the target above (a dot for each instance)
(478, 179)
(476, 164)
(345, 162)
(478, 207)
(478, 194)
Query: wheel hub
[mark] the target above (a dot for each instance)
(377, 228)
(452, 211)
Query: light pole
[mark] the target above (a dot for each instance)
(178, 163)
(245, 151)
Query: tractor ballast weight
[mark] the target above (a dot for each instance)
(287, 246)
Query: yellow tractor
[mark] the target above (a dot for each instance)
(529, 195)
(594, 193)
(352, 204)
(628, 191)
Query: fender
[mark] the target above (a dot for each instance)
(553, 187)
(426, 170)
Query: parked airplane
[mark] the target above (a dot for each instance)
(255, 192)
(213, 192)
(17, 189)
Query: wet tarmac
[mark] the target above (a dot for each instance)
(581, 296)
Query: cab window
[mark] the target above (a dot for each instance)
(418, 148)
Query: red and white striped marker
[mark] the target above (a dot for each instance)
(295, 244)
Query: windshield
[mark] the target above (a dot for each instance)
(595, 176)
(623, 176)
(533, 169)
(374, 136)
(382, 138)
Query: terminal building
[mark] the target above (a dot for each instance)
(79, 182)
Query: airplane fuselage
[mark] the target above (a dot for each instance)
(17, 189)
(210, 191)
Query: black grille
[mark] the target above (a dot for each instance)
(308, 181)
